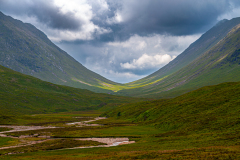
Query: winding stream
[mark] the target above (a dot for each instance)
(110, 142)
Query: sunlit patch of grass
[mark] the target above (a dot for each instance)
(132, 85)
(6, 141)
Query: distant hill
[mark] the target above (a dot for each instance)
(22, 94)
(212, 59)
(26, 49)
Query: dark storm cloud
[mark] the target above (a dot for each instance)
(105, 38)
(175, 17)
(44, 11)
(52, 16)
(144, 18)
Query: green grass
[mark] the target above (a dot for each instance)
(131, 85)
(149, 145)
(202, 124)
(4, 129)
(209, 107)
(6, 141)
(21, 94)
(56, 119)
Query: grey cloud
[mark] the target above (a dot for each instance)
(106, 57)
(174, 17)
(52, 16)
(44, 11)
(146, 18)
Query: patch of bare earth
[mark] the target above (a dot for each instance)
(85, 123)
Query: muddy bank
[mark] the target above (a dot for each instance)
(23, 128)
(109, 141)
(85, 123)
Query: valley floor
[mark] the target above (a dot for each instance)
(151, 143)
(30, 140)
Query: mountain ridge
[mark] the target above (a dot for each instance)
(208, 40)
(219, 29)
(26, 49)
(159, 83)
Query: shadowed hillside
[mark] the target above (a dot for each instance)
(26, 49)
(22, 94)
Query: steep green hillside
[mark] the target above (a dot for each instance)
(208, 109)
(22, 94)
(203, 124)
(26, 49)
(218, 64)
(207, 117)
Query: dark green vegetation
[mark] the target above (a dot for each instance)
(26, 49)
(51, 119)
(202, 124)
(212, 59)
(5, 141)
(4, 129)
(21, 94)
(211, 108)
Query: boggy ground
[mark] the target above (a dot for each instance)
(25, 141)
(151, 143)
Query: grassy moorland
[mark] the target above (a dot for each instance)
(23, 95)
(203, 124)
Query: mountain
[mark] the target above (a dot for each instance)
(196, 49)
(26, 49)
(212, 59)
(22, 94)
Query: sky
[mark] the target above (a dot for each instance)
(122, 40)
